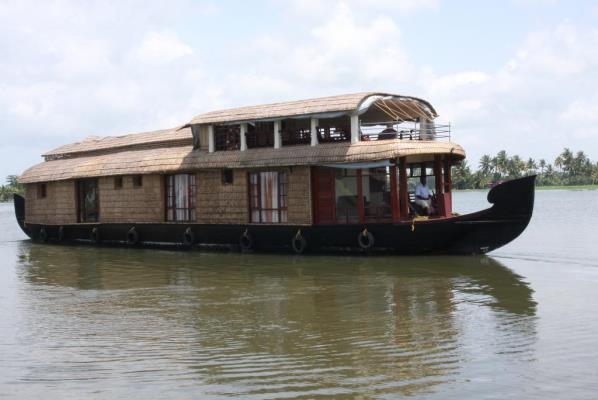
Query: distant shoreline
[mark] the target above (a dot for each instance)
(546, 187)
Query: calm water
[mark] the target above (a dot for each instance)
(81, 322)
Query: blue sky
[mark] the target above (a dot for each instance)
(519, 75)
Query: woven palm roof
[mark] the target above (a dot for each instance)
(331, 104)
(184, 158)
(160, 138)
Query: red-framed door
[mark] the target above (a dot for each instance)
(324, 196)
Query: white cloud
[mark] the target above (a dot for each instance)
(162, 47)
(447, 84)
(323, 7)
(70, 70)
(340, 54)
(539, 101)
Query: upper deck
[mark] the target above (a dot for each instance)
(360, 127)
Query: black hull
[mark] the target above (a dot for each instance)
(475, 233)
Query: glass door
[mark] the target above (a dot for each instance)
(88, 201)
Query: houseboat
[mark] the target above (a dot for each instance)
(367, 172)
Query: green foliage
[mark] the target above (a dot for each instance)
(12, 186)
(568, 169)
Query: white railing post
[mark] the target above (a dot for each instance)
(277, 138)
(314, 131)
(355, 128)
(243, 131)
(211, 143)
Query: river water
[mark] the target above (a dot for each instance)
(82, 322)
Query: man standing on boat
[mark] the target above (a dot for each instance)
(423, 195)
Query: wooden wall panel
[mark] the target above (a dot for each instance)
(58, 207)
(132, 204)
(299, 196)
(219, 203)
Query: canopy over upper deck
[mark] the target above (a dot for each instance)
(370, 106)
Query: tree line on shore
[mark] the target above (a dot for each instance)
(12, 186)
(568, 169)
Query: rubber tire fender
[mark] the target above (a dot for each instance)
(246, 241)
(365, 240)
(43, 234)
(299, 244)
(132, 236)
(188, 237)
(94, 235)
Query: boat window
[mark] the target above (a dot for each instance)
(137, 180)
(295, 131)
(260, 134)
(227, 176)
(118, 182)
(349, 196)
(41, 190)
(180, 197)
(345, 187)
(227, 137)
(268, 196)
(414, 172)
(332, 130)
(88, 201)
(376, 194)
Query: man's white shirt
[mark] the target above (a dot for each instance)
(422, 191)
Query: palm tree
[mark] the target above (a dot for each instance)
(12, 180)
(542, 164)
(515, 166)
(485, 164)
(531, 166)
(501, 162)
(461, 175)
(564, 160)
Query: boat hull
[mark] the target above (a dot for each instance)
(476, 233)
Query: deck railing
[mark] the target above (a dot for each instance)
(379, 131)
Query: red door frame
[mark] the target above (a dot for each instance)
(317, 173)
(403, 195)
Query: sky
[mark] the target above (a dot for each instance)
(518, 75)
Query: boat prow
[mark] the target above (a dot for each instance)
(19, 204)
(512, 207)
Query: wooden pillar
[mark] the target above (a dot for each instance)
(394, 198)
(360, 200)
(243, 133)
(314, 131)
(448, 187)
(277, 138)
(211, 143)
(440, 204)
(195, 132)
(403, 195)
(448, 183)
(438, 174)
(355, 129)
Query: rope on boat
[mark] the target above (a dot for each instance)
(418, 218)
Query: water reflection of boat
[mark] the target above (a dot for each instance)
(329, 174)
(257, 324)
(90, 268)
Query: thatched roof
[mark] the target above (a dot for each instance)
(184, 158)
(161, 138)
(384, 103)
(343, 103)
